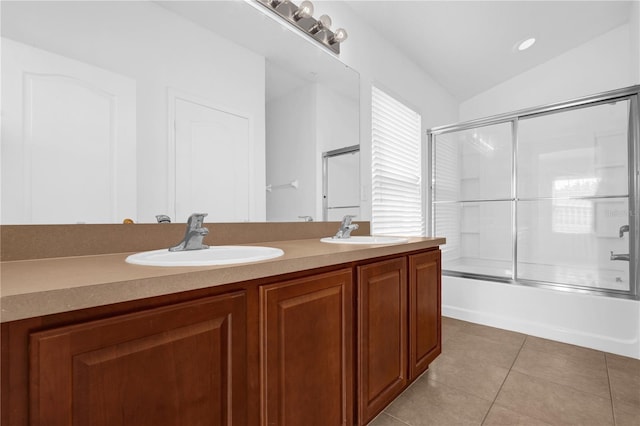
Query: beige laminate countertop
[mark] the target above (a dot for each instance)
(31, 288)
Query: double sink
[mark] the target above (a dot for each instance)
(229, 255)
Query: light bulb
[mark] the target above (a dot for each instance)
(324, 22)
(305, 10)
(339, 36)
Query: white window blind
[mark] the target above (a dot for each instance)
(396, 167)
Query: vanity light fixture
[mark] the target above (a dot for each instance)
(302, 18)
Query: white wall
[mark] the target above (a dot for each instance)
(159, 50)
(382, 64)
(634, 37)
(610, 324)
(291, 151)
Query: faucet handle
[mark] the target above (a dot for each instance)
(623, 229)
(196, 220)
(346, 220)
(163, 218)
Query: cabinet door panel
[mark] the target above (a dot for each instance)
(424, 311)
(182, 364)
(307, 351)
(382, 335)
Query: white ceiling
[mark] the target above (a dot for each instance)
(468, 46)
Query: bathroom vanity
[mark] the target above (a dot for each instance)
(325, 335)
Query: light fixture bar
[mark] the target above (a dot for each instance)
(301, 17)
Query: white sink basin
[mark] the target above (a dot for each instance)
(214, 255)
(369, 239)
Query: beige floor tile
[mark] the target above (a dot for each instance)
(502, 416)
(625, 414)
(624, 377)
(562, 349)
(432, 403)
(623, 363)
(464, 345)
(587, 374)
(550, 383)
(496, 334)
(553, 403)
(473, 376)
(450, 327)
(386, 420)
(625, 387)
(448, 321)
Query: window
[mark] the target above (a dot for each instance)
(396, 168)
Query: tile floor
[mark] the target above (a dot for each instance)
(488, 376)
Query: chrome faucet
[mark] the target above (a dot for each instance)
(346, 227)
(193, 236)
(621, 256)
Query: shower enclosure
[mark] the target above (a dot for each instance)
(546, 196)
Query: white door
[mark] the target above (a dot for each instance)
(211, 162)
(68, 140)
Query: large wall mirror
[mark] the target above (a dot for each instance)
(115, 110)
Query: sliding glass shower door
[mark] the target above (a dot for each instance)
(472, 199)
(546, 196)
(573, 196)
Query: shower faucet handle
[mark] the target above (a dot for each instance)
(623, 229)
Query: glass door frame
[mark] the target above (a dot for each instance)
(632, 94)
(325, 176)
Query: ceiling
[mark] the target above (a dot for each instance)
(468, 46)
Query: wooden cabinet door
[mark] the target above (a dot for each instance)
(382, 335)
(425, 341)
(306, 351)
(183, 364)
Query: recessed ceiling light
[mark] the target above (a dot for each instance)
(526, 44)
